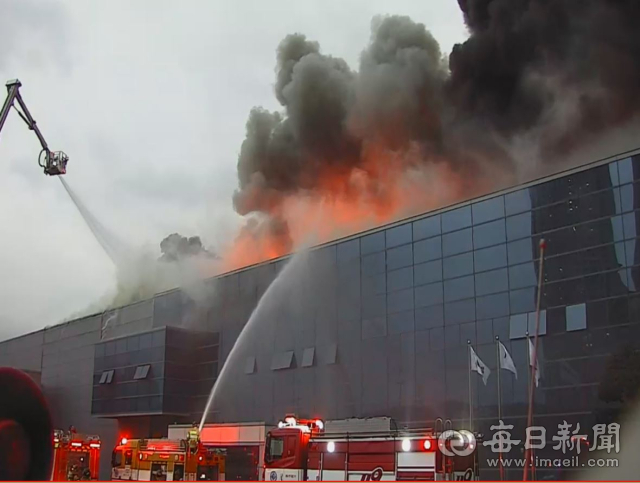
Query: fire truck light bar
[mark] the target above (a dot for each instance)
(77, 445)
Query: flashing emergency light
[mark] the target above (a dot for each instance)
(427, 444)
(290, 420)
(406, 445)
(94, 445)
(76, 445)
(319, 424)
(124, 441)
(331, 446)
(199, 458)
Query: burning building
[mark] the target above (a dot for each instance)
(377, 323)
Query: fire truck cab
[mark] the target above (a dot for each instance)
(166, 460)
(369, 449)
(76, 457)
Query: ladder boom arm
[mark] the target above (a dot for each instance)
(53, 163)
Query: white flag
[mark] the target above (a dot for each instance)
(506, 362)
(478, 366)
(537, 370)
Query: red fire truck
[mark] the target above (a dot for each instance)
(167, 460)
(370, 449)
(76, 457)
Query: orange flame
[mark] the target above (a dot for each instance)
(383, 189)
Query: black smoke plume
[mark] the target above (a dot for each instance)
(176, 247)
(552, 72)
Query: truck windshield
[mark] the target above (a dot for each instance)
(275, 448)
(116, 459)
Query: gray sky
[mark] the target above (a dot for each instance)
(149, 99)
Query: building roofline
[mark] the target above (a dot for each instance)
(386, 226)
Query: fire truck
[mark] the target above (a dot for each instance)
(76, 457)
(367, 449)
(167, 460)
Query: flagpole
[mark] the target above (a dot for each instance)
(534, 359)
(470, 396)
(499, 401)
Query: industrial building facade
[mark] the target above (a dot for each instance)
(377, 324)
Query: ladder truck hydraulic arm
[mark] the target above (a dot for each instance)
(53, 162)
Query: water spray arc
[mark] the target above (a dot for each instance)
(270, 295)
(114, 248)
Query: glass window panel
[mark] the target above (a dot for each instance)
(436, 338)
(457, 242)
(489, 234)
(492, 282)
(484, 329)
(519, 226)
(399, 235)
(458, 288)
(427, 272)
(531, 324)
(625, 171)
(501, 328)
(400, 257)
(373, 264)
(613, 174)
(458, 265)
(348, 250)
(133, 343)
(459, 312)
(576, 316)
(376, 327)
(626, 197)
(517, 202)
(629, 222)
(492, 306)
(372, 243)
(399, 301)
(488, 210)
(250, 363)
(521, 276)
(400, 279)
(158, 338)
(427, 250)
(489, 258)
(468, 333)
(523, 300)
(520, 251)
(99, 351)
(452, 336)
(375, 285)
(373, 307)
(429, 317)
(400, 322)
(518, 326)
(121, 346)
(456, 219)
(426, 228)
(282, 360)
(426, 295)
